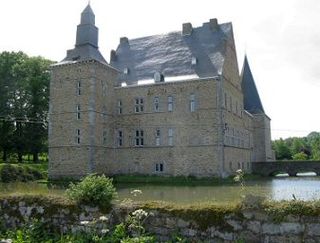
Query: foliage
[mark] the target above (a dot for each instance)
(300, 156)
(90, 231)
(24, 94)
(93, 190)
(9, 173)
(304, 148)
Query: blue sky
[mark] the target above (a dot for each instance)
(281, 39)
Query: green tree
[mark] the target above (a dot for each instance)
(281, 149)
(24, 88)
(300, 156)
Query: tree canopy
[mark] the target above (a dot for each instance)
(298, 148)
(24, 94)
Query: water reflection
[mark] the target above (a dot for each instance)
(277, 188)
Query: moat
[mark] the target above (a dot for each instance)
(277, 188)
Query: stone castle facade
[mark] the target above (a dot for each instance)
(172, 104)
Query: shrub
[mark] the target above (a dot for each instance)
(9, 173)
(93, 190)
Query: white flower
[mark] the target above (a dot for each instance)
(103, 218)
(84, 222)
(239, 171)
(104, 231)
(136, 192)
(140, 213)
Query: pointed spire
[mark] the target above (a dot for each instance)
(87, 15)
(252, 102)
(86, 47)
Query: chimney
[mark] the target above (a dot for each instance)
(213, 23)
(186, 29)
(124, 40)
(113, 56)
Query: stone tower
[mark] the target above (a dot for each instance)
(261, 130)
(79, 95)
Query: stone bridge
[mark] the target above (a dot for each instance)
(271, 168)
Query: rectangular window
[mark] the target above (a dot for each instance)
(119, 138)
(170, 137)
(78, 138)
(139, 141)
(158, 138)
(170, 103)
(119, 107)
(79, 88)
(192, 103)
(104, 113)
(237, 108)
(104, 137)
(225, 101)
(159, 167)
(78, 112)
(139, 105)
(156, 105)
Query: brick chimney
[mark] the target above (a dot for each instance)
(213, 23)
(186, 29)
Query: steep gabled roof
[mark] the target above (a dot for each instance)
(171, 54)
(252, 102)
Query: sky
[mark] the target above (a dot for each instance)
(280, 38)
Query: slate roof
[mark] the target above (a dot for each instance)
(86, 47)
(171, 54)
(252, 102)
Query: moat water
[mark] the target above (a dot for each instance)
(277, 188)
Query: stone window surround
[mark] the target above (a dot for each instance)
(170, 136)
(158, 137)
(119, 103)
(79, 88)
(192, 102)
(156, 104)
(159, 167)
(78, 136)
(119, 138)
(104, 137)
(138, 105)
(78, 112)
(170, 103)
(139, 138)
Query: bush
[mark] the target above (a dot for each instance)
(93, 190)
(9, 173)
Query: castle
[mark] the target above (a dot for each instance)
(172, 104)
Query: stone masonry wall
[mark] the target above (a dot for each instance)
(226, 225)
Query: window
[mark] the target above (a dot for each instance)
(79, 88)
(225, 100)
(119, 107)
(104, 113)
(159, 167)
(78, 136)
(230, 103)
(237, 108)
(158, 139)
(119, 138)
(192, 103)
(170, 137)
(104, 137)
(139, 138)
(104, 88)
(156, 105)
(170, 103)
(78, 112)
(138, 105)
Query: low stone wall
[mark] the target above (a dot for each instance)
(293, 223)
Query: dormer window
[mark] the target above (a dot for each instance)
(194, 61)
(158, 77)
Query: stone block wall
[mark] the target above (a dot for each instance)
(211, 224)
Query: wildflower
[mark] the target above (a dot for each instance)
(136, 192)
(239, 171)
(84, 222)
(104, 231)
(103, 218)
(6, 241)
(140, 213)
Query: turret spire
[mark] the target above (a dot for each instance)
(86, 46)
